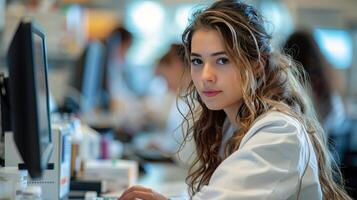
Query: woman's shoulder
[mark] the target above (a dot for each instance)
(275, 124)
(272, 157)
(275, 139)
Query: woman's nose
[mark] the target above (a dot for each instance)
(208, 73)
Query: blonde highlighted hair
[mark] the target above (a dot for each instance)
(270, 80)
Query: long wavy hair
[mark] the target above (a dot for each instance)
(270, 80)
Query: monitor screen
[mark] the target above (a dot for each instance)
(42, 101)
(29, 103)
(88, 75)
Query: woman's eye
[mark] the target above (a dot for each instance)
(196, 61)
(222, 61)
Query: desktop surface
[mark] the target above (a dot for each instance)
(165, 178)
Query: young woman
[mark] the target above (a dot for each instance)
(255, 130)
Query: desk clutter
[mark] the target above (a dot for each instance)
(117, 174)
(77, 164)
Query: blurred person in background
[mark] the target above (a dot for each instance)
(304, 49)
(170, 67)
(115, 80)
(120, 99)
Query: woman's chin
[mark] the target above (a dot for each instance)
(213, 107)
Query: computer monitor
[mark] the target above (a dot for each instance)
(87, 77)
(29, 98)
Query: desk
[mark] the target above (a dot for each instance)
(165, 178)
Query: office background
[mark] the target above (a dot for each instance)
(70, 24)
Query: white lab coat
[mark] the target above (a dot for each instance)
(270, 161)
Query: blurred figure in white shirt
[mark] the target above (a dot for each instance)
(166, 111)
(121, 100)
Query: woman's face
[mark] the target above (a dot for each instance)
(214, 74)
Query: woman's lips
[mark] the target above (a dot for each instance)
(211, 93)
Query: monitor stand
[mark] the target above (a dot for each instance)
(56, 178)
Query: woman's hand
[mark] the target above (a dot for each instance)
(139, 192)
